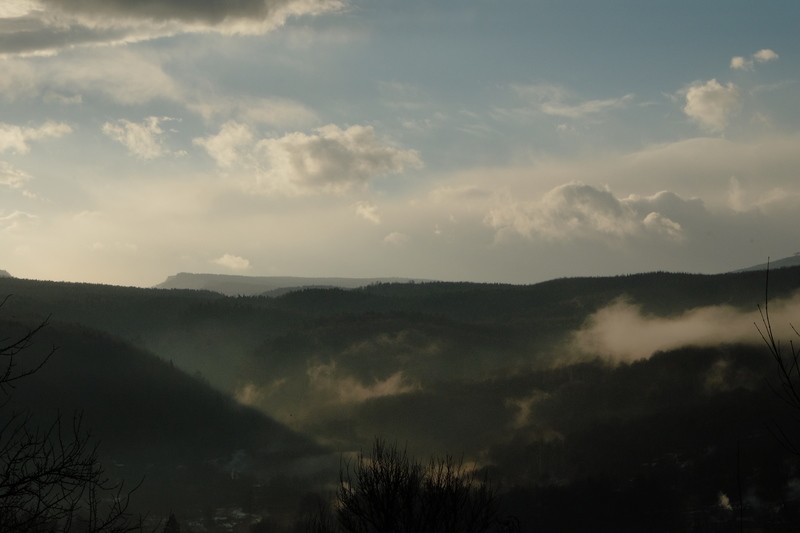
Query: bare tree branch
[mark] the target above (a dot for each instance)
(50, 475)
(788, 367)
(388, 492)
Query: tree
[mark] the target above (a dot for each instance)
(388, 492)
(50, 477)
(787, 362)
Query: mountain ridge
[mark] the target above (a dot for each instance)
(443, 366)
(239, 285)
(791, 261)
(155, 421)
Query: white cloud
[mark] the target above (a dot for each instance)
(232, 145)
(711, 104)
(368, 211)
(278, 112)
(660, 224)
(762, 56)
(233, 262)
(622, 332)
(11, 176)
(16, 138)
(329, 160)
(326, 379)
(15, 220)
(144, 140)
(16, 8)
(119, 74)
(396, 238)
(557, 101)
(577, 210)
(132, 77)
(52, 97)
(740, 63)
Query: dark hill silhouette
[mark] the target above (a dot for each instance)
(478, 369)
(233, 285)
(192, 445)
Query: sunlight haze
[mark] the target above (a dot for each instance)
(510, 141)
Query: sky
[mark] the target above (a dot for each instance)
(480, 140)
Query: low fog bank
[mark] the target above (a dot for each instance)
(566, 391)
(623, 332)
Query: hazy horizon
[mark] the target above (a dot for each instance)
(452, 141)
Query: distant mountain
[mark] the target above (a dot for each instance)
(232, 285)
(790, 261)
(5, 274)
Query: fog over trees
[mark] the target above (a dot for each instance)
(250, 412)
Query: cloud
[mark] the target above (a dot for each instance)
(460, 194)
(233, 262)
(52, 97)
(144, 140)
(132, 77)
(16, 138)
(46, 26)
(325, 378)
(234, 16)
(525, 407)
(396, 238)
(16, 8)
(658, 223)
(711, 104)
(740, 63)
(556, 101)
(762, 56)
(278, 112)
(328, 160)
(724, 502)
(621, 332)
(12, 177)
(15, 220)
(576, 210)
(231, 146)
(253, 394)
(368, 211)
(119, 74)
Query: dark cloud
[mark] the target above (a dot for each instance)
(59, 24)
(31, 35)
(209, 12)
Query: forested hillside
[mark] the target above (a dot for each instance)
(597, 392)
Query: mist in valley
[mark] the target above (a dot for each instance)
(576, 392)
(365, 266)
